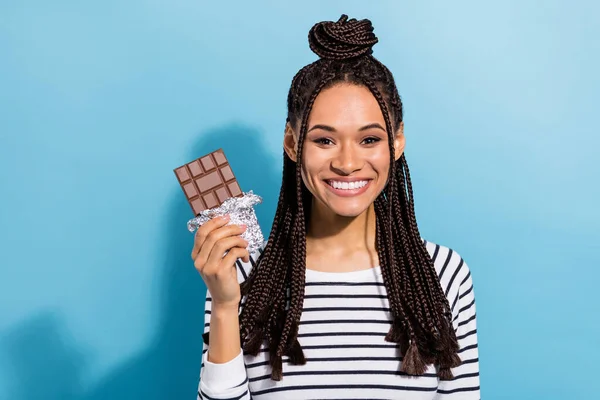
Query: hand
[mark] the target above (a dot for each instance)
(212, 240)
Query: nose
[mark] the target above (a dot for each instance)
(346, 161)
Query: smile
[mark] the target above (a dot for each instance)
(347, 185)
(348, 188)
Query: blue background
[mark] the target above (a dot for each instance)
(99, 101)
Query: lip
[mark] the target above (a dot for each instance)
(348, 192)
(347, 179)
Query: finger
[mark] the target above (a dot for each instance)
(213, 237)
(204, 230)
(229, 260)
(223, 245)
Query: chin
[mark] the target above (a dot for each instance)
(349, 211)
(349, 214)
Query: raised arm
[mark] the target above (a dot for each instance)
(217, 248)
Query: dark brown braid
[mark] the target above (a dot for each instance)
(274, 292)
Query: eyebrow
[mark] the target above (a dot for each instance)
(332, 129)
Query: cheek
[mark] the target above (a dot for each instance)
(304, 175)
(309, 170)
(380, 160)
(313, 162)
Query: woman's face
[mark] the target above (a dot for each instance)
(345, 159)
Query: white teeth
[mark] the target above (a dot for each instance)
(348, 185)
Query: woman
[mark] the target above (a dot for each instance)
(345, 300)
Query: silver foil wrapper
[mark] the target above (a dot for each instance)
(241, 211)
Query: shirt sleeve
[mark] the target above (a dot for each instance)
(465, 384)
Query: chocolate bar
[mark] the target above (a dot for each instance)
(208, 181)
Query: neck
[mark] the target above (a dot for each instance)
(327, 230)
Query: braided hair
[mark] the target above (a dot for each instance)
(274, 291)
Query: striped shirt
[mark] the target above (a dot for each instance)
(344, 321)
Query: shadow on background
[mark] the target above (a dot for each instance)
(44, 361)
(41, 353)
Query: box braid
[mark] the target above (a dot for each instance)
(273, 294)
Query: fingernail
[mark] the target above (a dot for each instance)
(225, 217)
(243, 226)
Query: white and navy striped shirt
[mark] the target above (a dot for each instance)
(345, 319)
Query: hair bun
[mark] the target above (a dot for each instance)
(343, 39)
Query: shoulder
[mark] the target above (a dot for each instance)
(452, 270)
(244, 268)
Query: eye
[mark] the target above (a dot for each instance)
(371, 140)
(323, 141)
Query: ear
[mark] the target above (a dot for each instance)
(399, 142)
(290, 142)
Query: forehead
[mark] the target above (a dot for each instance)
(345, 105)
